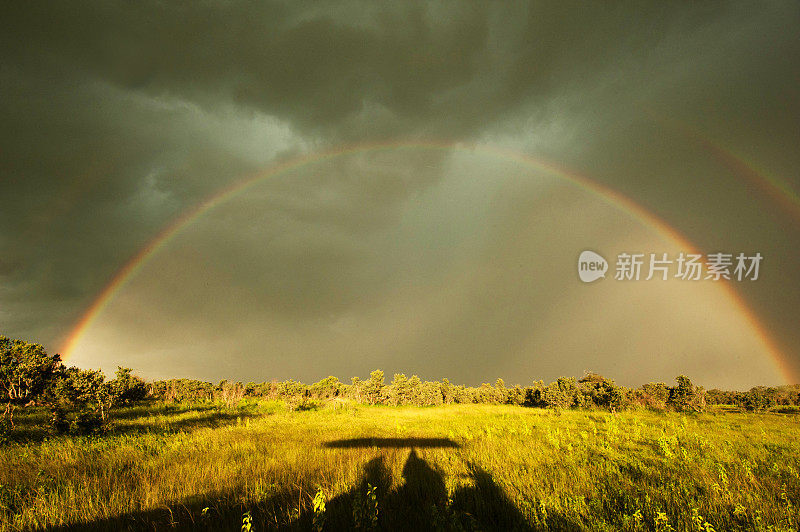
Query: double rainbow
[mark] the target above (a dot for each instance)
(607, 195)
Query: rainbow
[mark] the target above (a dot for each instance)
(606, 194)
(776, 191)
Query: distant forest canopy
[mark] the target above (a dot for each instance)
(79, 400)
(590, 391)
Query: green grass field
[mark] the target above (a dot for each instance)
(449, 468)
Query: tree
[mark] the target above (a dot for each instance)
(758, 398)
(686, 396)
(602, 392)
(654, 395)
(356, 389)
(534, 395)
(326, 388)
(516, 395)
(374, 386)
(563, 393)
(485, 394)
(26, 370)
(414, 390)
(127, 388)
(230, 393)
(431, 393)
(447, 391)
(500, 391)
(79, 400)
(401, 393)
(591, 377)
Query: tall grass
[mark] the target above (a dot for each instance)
(454, 467)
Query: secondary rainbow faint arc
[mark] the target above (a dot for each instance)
(606, 194)
(777, 191)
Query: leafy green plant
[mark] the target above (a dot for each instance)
(318, 522)
(365, 509)
(247, 522)
(661, 522)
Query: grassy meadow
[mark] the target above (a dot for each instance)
(341, 466)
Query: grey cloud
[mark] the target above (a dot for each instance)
(117, 117)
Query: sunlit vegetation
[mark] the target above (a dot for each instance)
(455, 467)
(592, 391)
(587, 454)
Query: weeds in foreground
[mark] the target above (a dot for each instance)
(454, 468)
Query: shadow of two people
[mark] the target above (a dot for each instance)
(421, 501)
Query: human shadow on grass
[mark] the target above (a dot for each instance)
(421, 501)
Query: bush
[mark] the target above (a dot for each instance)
(373, 388)
(59, 421)
(601, 392)
(758, 398)
(231, 393)
(606, 395)
(327, 388)
(26, 372)
(516, 396)
(559, 394)
(534, 395)
(5, 430)
(87, 422)
(653, 395)
(127, 388)
(79, 401)
(686, 396)
(178, 390)
(77, 422)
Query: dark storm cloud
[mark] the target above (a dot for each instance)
(317, 70)
(116, 117)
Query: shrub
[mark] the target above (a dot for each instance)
(686, 396)
(327, 388)
(178, 390)
(79, 401)
(563, 393)
(230, 393)
(516, 395)
(430, 393)
(604, 394)
(87, 422)
(373, 387)
(559, 394)
(127, 388)
(26, 371)
(654, 395)
(399, 393)
(5, 430)
(758, 398)
(534, 395)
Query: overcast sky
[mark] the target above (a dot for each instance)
(447, 261)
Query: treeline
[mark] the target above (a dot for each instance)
(758, 398)
(79, 400)
(591, 391)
